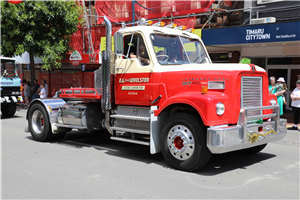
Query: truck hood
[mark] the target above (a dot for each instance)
(205, 67)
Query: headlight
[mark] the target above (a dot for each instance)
(13, 92)
(220, 108)
(216, 85)
(273, 102)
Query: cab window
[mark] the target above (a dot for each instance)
(135, 47)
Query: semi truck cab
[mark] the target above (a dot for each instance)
(10, 87)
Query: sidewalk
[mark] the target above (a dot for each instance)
(288, 114)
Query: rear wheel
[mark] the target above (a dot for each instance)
(183, 142)
(39, 124)
(8, 110)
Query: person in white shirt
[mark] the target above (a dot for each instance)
(295, 96)
(43, 91)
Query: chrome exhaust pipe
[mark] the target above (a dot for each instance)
(107, 75)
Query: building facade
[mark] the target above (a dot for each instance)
(270, 38)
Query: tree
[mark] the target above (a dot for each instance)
(42, 28)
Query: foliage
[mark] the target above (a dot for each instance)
(42, 28)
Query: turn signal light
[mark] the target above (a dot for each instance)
(204, 89)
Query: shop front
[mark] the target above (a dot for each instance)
(274, 46)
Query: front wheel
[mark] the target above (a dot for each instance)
(183, 142)
(39, 124)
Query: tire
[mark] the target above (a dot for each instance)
(183, 142)
(39, 124)
(8, 110)
(253, 150)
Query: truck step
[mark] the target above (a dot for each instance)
(130, 130)
(131, 141)
(131, 117)
(69, 126)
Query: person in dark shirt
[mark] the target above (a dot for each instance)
(35, 89)
(143, 54)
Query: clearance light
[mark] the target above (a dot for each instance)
(150, 22)
(190, 30)
(160, 24)
(204, 89)
(146, 23)
(171, 25)
(181, 27)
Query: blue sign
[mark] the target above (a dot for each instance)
(275, 32)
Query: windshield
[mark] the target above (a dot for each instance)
(171, 49)
(8, 68)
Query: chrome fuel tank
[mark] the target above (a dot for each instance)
(72, 115)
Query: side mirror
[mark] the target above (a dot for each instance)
(118, 41)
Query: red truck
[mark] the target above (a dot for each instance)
(159, 88)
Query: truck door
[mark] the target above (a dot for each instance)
(133, 72)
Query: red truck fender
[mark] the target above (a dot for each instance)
(205, 105)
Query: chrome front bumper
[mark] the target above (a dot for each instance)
(222, 139)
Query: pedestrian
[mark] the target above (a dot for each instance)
(27, 94)
(35, 89)
(273, 89)
(295, 96)
(281, 89)
(23, 88)
(46, 88)
(43, 91)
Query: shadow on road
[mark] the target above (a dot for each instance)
(218, 164)
(15, 116)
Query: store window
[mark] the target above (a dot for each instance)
(284, 61)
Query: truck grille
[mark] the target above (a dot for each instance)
(251, 93)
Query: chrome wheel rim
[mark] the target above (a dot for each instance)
(37, 121)
(181, 143)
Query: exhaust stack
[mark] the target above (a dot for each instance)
(107, 75)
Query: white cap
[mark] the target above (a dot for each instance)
(281, 79)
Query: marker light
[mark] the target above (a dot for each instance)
(159, 24)
(190, 30)
(203, 89)
(181, 27)
(171, 25)
(150, 22)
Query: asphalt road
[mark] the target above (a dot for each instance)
(90, 166)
